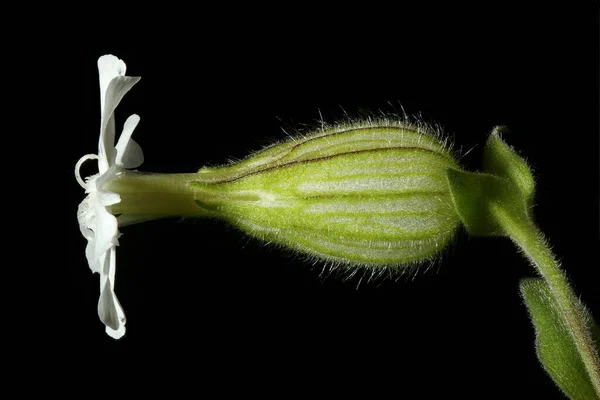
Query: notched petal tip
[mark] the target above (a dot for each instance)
(109, 62)
(109, 67)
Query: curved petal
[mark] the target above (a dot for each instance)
(106, 232)
(109, 309)
(90, 249)
(87, 226)
(83, 159)
(109, 67)
(116, 90)
(129, 153)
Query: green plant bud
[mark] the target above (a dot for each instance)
(370, 194)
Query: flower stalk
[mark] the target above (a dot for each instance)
(498, 202)
(528, 238)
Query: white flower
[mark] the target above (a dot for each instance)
(96, 222)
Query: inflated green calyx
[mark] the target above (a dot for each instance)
(372, 194)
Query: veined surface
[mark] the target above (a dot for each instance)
(359, 195)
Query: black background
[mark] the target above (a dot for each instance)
(210, 306)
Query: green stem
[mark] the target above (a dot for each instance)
(527, 236)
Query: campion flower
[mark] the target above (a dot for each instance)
(377, 194)
(364, 194)
(98, 225)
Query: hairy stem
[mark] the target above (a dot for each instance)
(527, 236)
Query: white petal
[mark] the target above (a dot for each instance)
(107, 232)
(87, 225)
(117, 88)
(84, 218)
(109, 67)
(129, 153)
(90, 249)
(109, 309)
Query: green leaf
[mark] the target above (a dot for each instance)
(475, 195)
(555, 347)
(501, 160)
